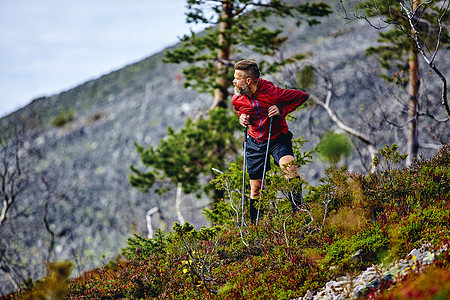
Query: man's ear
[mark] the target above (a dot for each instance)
(249, 81)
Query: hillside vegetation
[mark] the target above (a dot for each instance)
(352, 222)
(74, 202)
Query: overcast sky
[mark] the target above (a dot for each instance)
(49, 46)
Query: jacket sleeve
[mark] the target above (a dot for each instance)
(288, 100)
(236, 106)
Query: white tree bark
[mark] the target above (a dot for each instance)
(178, 203)
(361, 136)
(148, 217)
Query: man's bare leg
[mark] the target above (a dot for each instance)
(255, 188)
(288, 167)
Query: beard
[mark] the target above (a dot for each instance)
(244, 90)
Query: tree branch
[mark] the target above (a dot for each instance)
(148, 217)
(8, 275)
(412, 16)
(178, 203)
(430, 146)
(434, 117)
(326, 105)
(45, 220)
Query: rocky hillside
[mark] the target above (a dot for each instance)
(78, 172)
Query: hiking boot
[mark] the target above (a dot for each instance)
(296, 197)
(254, 211)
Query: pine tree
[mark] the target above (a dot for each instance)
(416, 26)
(206, 143)
(182, 156)
(234, 23)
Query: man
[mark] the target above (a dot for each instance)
(256, 101)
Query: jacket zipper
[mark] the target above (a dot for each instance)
(258, 110)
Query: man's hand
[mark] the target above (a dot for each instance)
(244, 120)
(273, 111)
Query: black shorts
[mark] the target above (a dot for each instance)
(256, 152)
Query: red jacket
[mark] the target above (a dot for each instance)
(257, 105)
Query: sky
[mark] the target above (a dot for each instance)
(50, 46)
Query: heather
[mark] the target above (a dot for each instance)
(352, 222)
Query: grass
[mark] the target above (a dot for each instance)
(381, 216)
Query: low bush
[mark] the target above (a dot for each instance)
(432, 283)
(352, 221)
(63, 117)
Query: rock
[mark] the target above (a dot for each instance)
(330, 284)
(308, 295)
(414, 252)
(387, 279)
(358, 291)
(372, 278)
(428, 258)
(342, 279)
(321, 293)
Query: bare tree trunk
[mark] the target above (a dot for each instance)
(9, 179)
(178, 203)
(412, 144)
(359, 135)
(148, 217)
(412, 17)
(46, 223)
(4, 211)
(8, 275)
(225, 25)
(413, 106)
(13, 181)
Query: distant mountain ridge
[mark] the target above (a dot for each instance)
(93, 208)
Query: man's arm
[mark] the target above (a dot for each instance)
(288, 100)
(244, 119)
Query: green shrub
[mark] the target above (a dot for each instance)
(358, 251)
(431, 225)
(140, 247)
(54, 285)
(305, 77)
(353, 221)
(432, 283)
(334, 146)
(334, 190)
(133, 279)
(63, 117)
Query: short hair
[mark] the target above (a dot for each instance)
(250, 67)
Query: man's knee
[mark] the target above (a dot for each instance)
(287, 164)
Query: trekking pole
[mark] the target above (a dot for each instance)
(243, 176)
(265, 164)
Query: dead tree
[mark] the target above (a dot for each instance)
(45, 219)
(365, 139)
(423, 23)
(14, 180)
